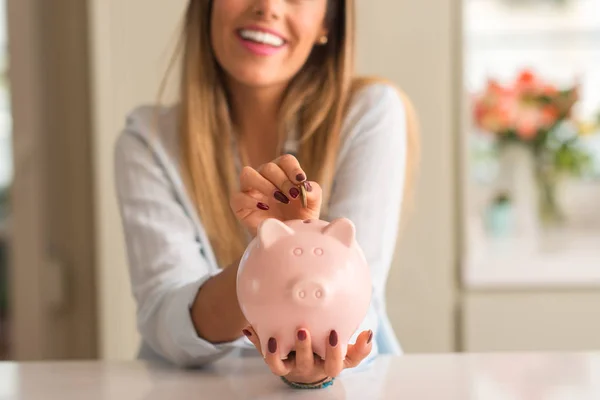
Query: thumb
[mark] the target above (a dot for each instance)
(314, 195)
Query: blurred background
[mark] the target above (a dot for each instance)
(501, 250)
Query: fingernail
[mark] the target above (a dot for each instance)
(272, 345)
(263, 206)
(307, 186)
(246, 332)
(370, 337)
(333, 339)
(279, 196)
(302, 335)
(300, 177)
(294, 192)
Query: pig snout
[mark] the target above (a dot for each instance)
(309, 293)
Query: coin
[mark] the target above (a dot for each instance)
(303, 195)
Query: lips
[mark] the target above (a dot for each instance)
(261, 41)
(262, 37)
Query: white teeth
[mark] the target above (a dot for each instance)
(262, 37)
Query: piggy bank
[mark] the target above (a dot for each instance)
(307, 274)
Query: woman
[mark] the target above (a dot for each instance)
(268, 102)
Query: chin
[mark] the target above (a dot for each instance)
(259, 78)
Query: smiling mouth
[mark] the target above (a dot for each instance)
(261, 37)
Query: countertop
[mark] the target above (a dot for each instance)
(530, 376)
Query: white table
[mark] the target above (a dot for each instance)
(445, 377)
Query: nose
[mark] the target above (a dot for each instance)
(309, 293)
(267, 9)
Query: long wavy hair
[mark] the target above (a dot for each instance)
(316, 99)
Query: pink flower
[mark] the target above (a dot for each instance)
(527, 82)
(528, 106)
(549, 116)
(526, 129)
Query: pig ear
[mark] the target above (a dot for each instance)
(271, 230)
(342, 229)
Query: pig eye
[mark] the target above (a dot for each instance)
(318, 251)
(298, 251)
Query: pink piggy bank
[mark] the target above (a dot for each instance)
(304, 274)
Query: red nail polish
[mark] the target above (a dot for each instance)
(300, 177)
(294, 192)
(246, 332)
(370, 337)
(307, 186)
(263, 206)
(302, 335)
(272, 345)
(333, 339)
(282, 198)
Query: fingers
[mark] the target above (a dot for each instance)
(314, 195)
(279, 178)
(272, 358)
(305, 361)
(274, 361)
(360, 350)
(334, 364)
(251, 179)
(243, 204)
(291, 167)
(253, 337)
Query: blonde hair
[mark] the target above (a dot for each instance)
(317, 98)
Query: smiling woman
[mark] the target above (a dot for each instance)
(285, 38)
(268, 104)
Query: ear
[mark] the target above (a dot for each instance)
(322, 38)
(271, 230)
(342, 229)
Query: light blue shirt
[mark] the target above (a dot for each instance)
(170, 256)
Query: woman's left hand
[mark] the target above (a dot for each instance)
(305, 366)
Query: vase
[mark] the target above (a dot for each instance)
(499, 219)
(517, 178)
(548, 185)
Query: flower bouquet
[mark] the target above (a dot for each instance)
(536, 118)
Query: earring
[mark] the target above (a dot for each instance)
(323, 40)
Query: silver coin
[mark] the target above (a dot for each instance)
(303, 196)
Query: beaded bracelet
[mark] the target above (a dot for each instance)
(322, 384)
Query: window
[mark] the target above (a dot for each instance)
(532, 217)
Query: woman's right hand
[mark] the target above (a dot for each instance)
(272, 191)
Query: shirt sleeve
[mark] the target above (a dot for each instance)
(166, 262)
(369, 182)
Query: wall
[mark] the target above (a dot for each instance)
(130, 43)
(415, 44)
